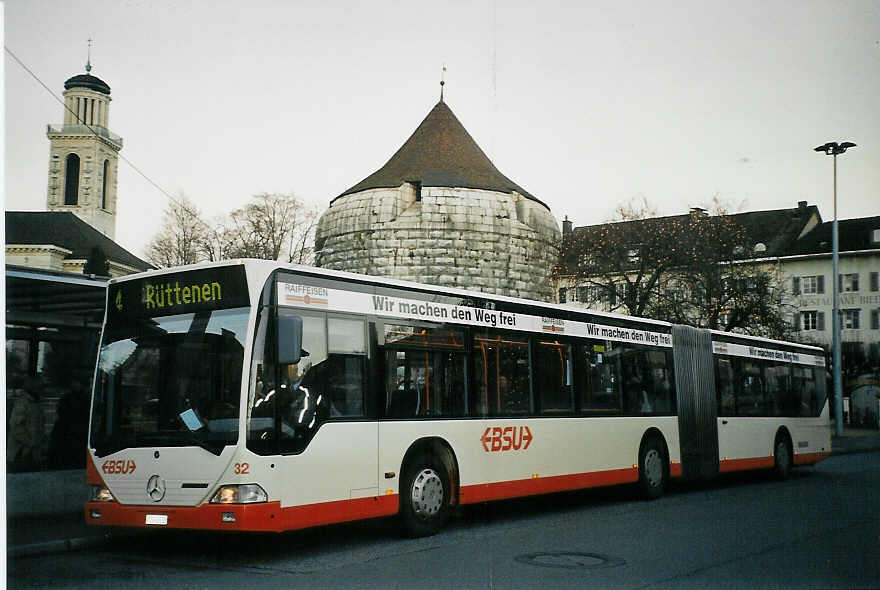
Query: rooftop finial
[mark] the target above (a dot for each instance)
(442, 81)
(89, 58)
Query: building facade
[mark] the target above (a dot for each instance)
(808, 268)
(439, 212)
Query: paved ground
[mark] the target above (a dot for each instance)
(818, 529)
(42, 535)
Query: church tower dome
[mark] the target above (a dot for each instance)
(440, 212)
(84, 155)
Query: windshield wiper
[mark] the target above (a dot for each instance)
(195, 424)
(102, 450)
(213, 448)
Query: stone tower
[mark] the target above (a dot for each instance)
(439, 212)
(84, 155)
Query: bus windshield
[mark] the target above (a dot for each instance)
(172, 380)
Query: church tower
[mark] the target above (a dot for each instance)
(84, 155)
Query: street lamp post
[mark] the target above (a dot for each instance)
(833, 149)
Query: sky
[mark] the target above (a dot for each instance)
(585, 104)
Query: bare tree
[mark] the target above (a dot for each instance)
(271, 226)
(181, 237)
(693, 269)
(716, 282)
(621, 263)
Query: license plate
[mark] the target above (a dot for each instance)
(159, 519)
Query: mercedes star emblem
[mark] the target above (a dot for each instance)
(156, 488)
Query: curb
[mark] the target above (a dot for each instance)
(57, 546)
(853, 450)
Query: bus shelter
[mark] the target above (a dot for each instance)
(53, 323)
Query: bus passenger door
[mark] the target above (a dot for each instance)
(697, 407)
(348, 389)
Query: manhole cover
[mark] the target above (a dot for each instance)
(569, 560)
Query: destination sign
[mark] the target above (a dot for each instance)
(222, 287)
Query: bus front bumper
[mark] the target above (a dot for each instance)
(264, 516)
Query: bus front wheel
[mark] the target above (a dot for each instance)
(424, 497)
(652, 469)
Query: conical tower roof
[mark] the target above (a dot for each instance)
(440, 152)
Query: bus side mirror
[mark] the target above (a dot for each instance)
(290, 335)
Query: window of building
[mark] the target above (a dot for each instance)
(812, 320)
(71, 180)
(875, 281)
(589, 294)
(808, 285)
(875, 319)
(851, 318)
(849, 283)
(562, 294)
(104, 184)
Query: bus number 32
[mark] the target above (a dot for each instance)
(497, 439)
(242, 468)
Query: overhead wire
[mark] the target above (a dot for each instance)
(89, 127)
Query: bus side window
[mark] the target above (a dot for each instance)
(803, 390)
(724, 386)
(502, 374)
(600, 391)
(638, 381)
(750, 393)
(345, 368)
(553, 365)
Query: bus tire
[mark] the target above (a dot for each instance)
(782, 460)
(424, 496)
(653, 470)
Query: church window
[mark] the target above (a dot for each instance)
(104, 185)
(71, 180)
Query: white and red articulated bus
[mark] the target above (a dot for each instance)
(252, 395)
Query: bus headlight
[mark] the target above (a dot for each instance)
(100, 494)
(248, 493)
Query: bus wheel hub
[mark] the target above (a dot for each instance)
(427, 493)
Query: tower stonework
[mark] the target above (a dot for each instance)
(439, 212)
(84, 155)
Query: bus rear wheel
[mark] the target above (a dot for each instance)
(782, 458)
(653, 471)
(424, 497)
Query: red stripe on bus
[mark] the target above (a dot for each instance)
(268, 516)
(92, 476)
(545, 485)
(745, 464)
(809, 458)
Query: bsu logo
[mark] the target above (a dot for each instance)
(120, 467)
(508, 438)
